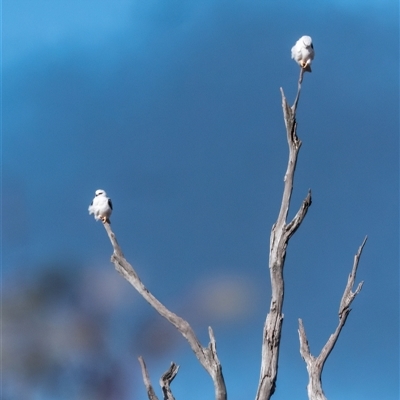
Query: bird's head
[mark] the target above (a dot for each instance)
(100, 192)
(307, 41)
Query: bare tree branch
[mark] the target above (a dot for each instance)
(294, 107)
(166, 380)
(348, 295)
(280, 235)
(294, 224)
(206, 355)
(146, 379)
(315, 365)
(294, 146)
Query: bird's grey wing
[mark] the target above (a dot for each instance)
(110, 203)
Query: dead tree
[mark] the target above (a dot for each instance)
(281, 232)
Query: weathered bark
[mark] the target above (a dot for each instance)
(315, 365)
(280, 236)
(166, 380)
(207, 356)
(146, 379)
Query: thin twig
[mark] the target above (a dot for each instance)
(294, 107)
(146, 379)
(294, 224)
(348, 295)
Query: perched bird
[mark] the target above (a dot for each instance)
(101, 206)
(303, 52)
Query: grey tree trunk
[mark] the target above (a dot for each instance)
(281, 233)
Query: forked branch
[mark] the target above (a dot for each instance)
(207, 356)
(166, 380)
(315, 365)
(279, 239)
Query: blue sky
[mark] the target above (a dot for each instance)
(174, 109)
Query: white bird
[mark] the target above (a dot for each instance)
(101, 206)
(303, 52)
